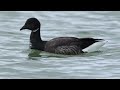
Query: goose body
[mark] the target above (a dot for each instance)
(60, 45)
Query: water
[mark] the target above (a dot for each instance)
(18, 61)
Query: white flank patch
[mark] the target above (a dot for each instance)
(94, 47)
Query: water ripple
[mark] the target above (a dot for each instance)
(18, 61)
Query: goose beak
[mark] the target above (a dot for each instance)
(23, 28)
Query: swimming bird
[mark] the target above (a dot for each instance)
(60, 45)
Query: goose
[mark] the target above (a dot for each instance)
(60, 45)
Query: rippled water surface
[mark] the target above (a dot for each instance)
(18, 61)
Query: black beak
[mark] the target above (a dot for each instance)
(23, 28)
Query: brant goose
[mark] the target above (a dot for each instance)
(60, 45)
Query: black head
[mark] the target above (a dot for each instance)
(31, 24)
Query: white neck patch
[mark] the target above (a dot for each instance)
(35, 30)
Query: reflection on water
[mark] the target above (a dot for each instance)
(37, 53)
(34, 53)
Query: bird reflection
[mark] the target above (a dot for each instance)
(34, 53)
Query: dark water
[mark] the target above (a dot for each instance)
(18, 61)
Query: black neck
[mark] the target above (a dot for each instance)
(36, 41)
